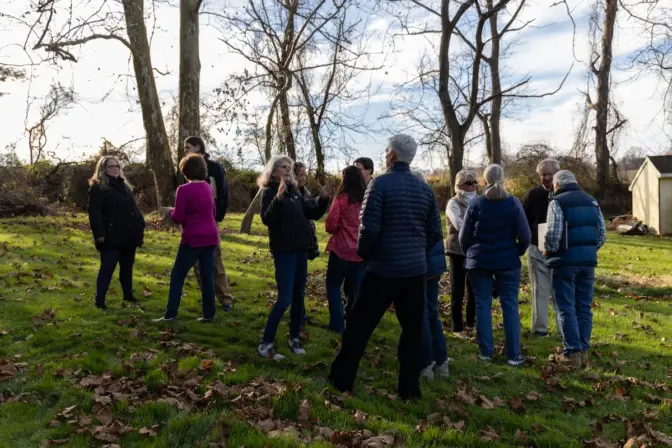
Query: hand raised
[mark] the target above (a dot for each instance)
(282, 189)
(327, 190)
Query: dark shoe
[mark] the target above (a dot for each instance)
(164, 319)
(227, 306)
(102, 306)
(131, 299)
(540, 334)
(206, 320)
(569, 359)
(584, 358)
(307, 319)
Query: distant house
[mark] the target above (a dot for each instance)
(652, 194)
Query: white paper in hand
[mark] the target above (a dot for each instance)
(542, 229)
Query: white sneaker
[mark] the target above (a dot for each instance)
(296, 347)
(428, 372)
(484, 358)
(269, 351)
(460, 335)
(519, 361)
(442, 370)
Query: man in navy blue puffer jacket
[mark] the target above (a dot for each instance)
(399, 223)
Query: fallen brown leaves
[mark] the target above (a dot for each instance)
(8, 370)
(472, 396)
(47, 316)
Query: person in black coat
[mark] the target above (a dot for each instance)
(287, 213)
(118, 227)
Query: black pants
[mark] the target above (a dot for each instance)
(373, 299)
(109, 258)
(458, 280)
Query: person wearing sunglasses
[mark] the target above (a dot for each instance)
(466, 182)
(118, 227)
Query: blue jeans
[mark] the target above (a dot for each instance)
(291, 272)
(573, 291)
(339, 270)
(507, 283)
(184, 261)
(434, 342)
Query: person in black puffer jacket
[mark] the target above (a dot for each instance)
(287, 213)
(399, 223)
(118, 227)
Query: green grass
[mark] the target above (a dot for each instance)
(50, 263)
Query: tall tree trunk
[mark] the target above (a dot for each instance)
(286, 125)
(314, 125)
(496, 104)
(602, 105)
(456, 158)
(158, 157)
(488, 137)
(190, 73)
(319, 153)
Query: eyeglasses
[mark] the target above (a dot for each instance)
(470, 183)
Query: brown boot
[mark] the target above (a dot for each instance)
(584, 358)
(572, 359)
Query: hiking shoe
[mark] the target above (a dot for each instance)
(131, 299)
(517, 362)
(460, 335)
(102, 306)
(570, 359)
(584, 358)
(206, 320)
(164, 319)
(428, 372)
(484, 358)
(269, 351)
(296, 347)
(442, 370)
(540, 334)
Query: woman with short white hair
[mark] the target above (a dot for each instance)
(466, 182)
(494, 235)
(286, 213)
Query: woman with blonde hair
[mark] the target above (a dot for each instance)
(287, 213)
(466, 182)
(117, 225)
(494, 235)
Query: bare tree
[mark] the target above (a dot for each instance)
(269, 34)
(461, 89)
(57, 100)
(327, 91)
(57, 28)
(190, 73)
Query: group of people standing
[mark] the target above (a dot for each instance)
(386, 247)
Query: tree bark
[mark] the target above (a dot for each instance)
(602, 105)
(255, 207)
(456, 158)
(286, 124)
(190, 73)
(314, 126)
(496, 104)
(158, 157)
(488, 138)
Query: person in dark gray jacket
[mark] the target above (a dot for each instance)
(399, 223)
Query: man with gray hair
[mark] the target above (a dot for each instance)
(535, 205)
(399, 223)
(575, 233)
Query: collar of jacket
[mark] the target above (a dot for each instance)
(566, 188)
(400, 166)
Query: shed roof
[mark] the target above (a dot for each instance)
(662, 163)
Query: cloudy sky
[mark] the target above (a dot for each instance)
(543, 51)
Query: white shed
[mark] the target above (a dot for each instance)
(652, 194)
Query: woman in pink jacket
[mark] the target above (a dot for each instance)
(344, 263)
(194, 212)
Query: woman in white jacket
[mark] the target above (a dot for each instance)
(466, 182)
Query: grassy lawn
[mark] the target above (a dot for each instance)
(73, 376)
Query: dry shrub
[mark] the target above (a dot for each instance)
(21, 193)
